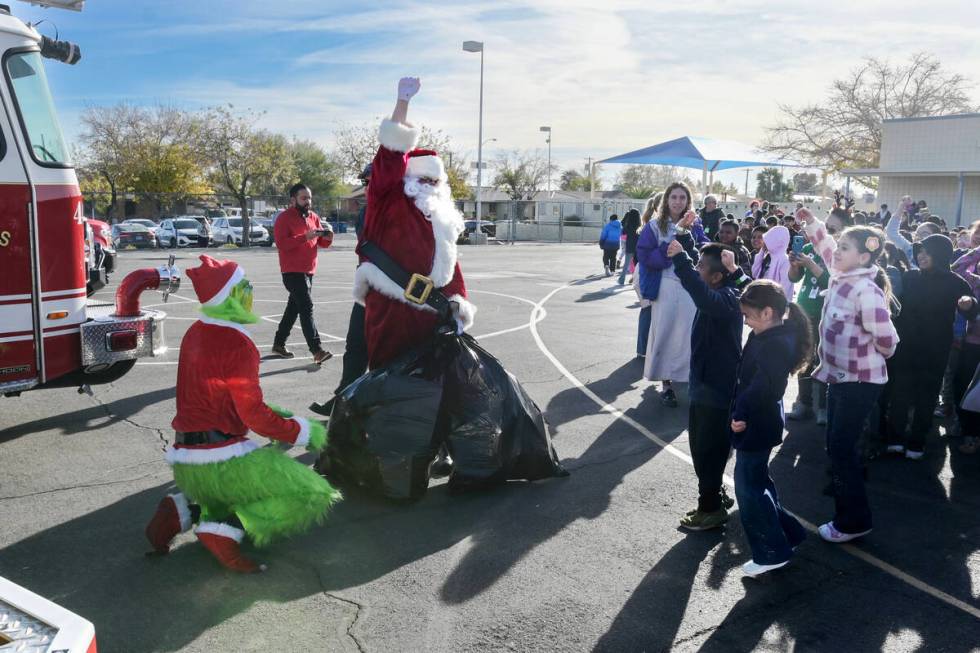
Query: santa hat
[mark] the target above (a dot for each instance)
(214, 279)
(425, 163)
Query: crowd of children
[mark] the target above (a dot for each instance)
(885, 308)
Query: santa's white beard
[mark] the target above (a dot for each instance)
(436, 204)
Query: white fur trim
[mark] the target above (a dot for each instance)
(467, 310)
(222, 294)
(220, 529)
(447, 225)
(205, 456)
(303, 437)
(183, 510)
(225, 323)
(368, 276)
(397, 136)
(426, 166)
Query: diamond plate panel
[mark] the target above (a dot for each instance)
(27, 634)
(149, 337)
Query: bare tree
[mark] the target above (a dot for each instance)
(521, 174)
(844, 129)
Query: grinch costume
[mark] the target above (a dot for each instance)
(229, 486)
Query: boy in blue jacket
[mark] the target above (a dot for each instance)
(609, 243)
(716, 346)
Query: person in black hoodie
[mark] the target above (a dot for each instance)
(775, 349)
(711, 217)
(631, 227)
(716, 344)
(930, 299)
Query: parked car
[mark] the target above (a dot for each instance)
(136, 235)
(204, 236)
(269, 225)
(103, 250)
(146, 222)
(229, 230)
(180, 232)
(488, 228)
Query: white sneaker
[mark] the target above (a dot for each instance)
(821, 417)
(831, 534)
(606, 268)
(914, 455)
(895, 448)
(754, 569)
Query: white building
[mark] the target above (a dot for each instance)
(932, 159)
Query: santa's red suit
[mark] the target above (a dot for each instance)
(419, 233)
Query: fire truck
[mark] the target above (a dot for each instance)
(51, 334)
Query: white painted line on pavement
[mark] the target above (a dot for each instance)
(538, 315)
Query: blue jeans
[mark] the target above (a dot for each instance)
(848, 407)
(643, 333)
(772, 532)
(626, 265)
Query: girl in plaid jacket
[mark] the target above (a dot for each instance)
(856, 336)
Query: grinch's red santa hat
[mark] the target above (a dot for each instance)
(425, 163)
(214, 279)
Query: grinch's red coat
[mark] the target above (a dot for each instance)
(218, 388)
(395, 224)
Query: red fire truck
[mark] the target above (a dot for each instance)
(50, 334)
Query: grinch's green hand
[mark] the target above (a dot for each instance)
(281, 412)
(318, 436)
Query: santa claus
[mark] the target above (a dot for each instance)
(411, 218)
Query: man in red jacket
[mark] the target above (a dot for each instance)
(298, 234)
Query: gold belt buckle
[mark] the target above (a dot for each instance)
(426, 288)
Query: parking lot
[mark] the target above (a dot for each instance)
(591, 562)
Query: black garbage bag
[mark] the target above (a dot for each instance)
(387, 426)
(492, 428)
(382, 430)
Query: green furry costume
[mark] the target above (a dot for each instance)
(228, 483)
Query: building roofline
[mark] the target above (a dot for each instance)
(949, 117)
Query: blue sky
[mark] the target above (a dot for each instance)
(609, 76)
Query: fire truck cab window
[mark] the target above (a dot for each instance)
(36, 108)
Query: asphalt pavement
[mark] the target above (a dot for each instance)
(594, 561)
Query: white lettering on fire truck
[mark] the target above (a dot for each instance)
(4, 238)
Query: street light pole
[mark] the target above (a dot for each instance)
(477, 46)
(548, 131)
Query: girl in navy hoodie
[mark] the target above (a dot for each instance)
(777, 347)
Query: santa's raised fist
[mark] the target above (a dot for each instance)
(408, 87)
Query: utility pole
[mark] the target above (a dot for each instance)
(746, 183)
(591, 179)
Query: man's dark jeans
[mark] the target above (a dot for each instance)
(708, 433)
(355, 351)
(300, 304)
(848, 407)
(771, 531)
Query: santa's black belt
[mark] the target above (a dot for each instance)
(419, 289)
(197, 438)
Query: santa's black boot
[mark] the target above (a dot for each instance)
(173, 516)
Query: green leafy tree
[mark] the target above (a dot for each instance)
(243, 159)
(805, 182)
(572, 179)
(843, 128)
(315, 168)
(772, 186)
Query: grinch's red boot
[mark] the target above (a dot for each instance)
(222, 541)
(173, 516)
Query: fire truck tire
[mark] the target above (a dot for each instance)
(79, 377)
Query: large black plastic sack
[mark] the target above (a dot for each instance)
(387, 426)
(492, 428)
(382, 433)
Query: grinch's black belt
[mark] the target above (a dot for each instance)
(419, 289)
(196, 438)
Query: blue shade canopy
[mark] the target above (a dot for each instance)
(694, 152)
